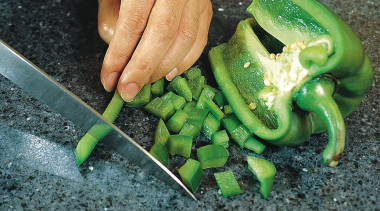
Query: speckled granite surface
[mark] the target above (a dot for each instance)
(37, 169)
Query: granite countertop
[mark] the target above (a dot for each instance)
(37, 167)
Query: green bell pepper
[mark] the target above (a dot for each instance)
(293, 70)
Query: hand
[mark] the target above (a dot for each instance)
(149, 40)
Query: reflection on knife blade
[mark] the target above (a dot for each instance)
(41, 86)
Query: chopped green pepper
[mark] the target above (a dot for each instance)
(227, 183)
(293, 70)
(180, 145)
(264, 171)
(162, 133)
(212, 156)
(181, 87)
(191, 174)
(221, 138)
(160, 153)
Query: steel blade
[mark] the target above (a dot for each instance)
(44, 88)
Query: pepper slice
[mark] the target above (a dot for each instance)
(277, 66)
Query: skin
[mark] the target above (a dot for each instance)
(149, 40)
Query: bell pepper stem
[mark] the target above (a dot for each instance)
(316, 96)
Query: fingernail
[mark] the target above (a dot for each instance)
(129, 91)
(172, 74)
(110, 81)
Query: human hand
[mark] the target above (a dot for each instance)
(149, 40)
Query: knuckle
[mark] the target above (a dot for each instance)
(143, 67)
(134, 24)
(165, 29)
(188, 33)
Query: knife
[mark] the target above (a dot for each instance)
(44, 88)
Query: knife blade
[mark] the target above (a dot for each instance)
(40, 85)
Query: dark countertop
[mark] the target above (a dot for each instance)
(37, 169)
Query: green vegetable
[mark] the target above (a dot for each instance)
(221, 138)
(142, 98)
(196, 85)
(162, 133)
(254, 145)
(97, 132)
(212, 156)
(214, 109)
(180, 145)
(192, 73)
(264, 171)
(230, 123)
(160, 108)
(210, 125)
(191, 174)
(293, 70)
(206, 95)
(220, 100)
(158, 87)
(177, 101)
(227, 183)
(196, 117)
(160, 153)
(228, 110)
(189, 106)
(240, 135)
(181, 87)
(189, 130)
(177, 121)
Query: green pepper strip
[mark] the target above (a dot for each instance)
(98, 131)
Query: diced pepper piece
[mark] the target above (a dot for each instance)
(192, 73)
(240, 135)
(227, 183)
(221, 138)
(211, 88)
(158, 87)
(171, 98)
(230, 123)
(180, 145)
(189, 130)
(220, 100)
(228, 110)
(212, 156)
(210, 125)
(161, 134)
(196, 85)
(176, 122)
(181, 87)
(142, 98)
(214, 109)
(196, 117)
(191, 174)
(160, 108)
(255, 145)
(264, 171)
(160, 153)
(189, 106)
(206, 95)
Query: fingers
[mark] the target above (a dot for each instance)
(107, 16)
(190, 42)
(158, 37)
(186, 36)
(130, 25)
(200, 42)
